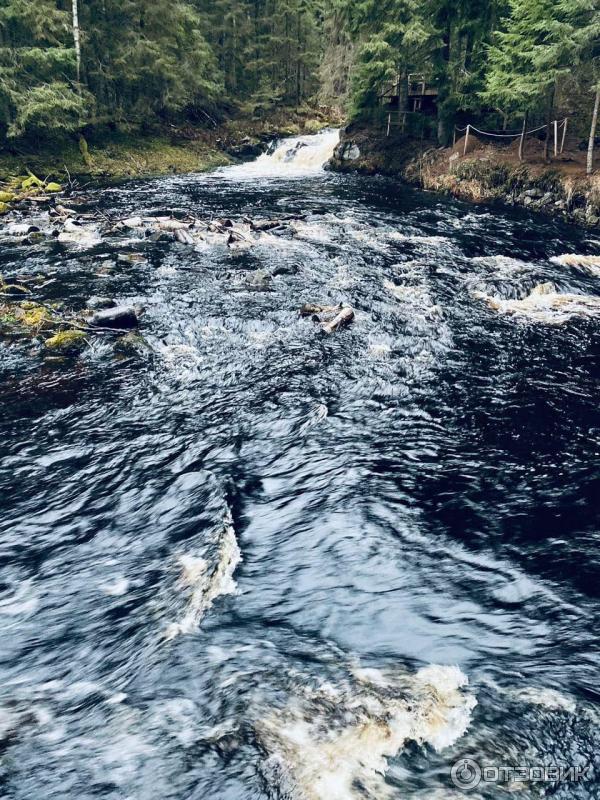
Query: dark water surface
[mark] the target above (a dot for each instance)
(419, 489)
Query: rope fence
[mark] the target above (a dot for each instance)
(555, 125)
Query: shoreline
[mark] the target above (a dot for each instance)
(166, 151)
(482, 175)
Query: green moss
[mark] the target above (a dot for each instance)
(34, 316)
(85, 152)
(6, 197)
(313, 125)
(66, 343)
(32, 182)
(7, 317)
(53, 187)
(132, 344)
(4, 208)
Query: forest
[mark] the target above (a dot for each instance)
(68, 65)
(299, 420)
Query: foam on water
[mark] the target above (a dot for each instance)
(547, 698)
(82, 236)
(545, 305)
(589, 264)
(328, 743)
(207, 584)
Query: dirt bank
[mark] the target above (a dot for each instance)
(484, 173)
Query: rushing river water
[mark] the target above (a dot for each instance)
(263, 562)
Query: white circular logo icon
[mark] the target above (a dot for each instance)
(466, 774)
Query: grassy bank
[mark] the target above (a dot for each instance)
(164, 151)
(117, 156)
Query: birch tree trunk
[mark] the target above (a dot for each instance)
(77, 38)
(522, 141)
(590, 153)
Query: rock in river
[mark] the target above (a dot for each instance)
(100, 303)
(66, 343)
(118, 317)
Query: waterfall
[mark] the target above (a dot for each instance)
(299, 156)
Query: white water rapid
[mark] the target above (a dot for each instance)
(297, 157)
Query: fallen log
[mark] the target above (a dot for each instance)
(63, 211)
(184, 237)
(172, 225)
(311, 309)
(133, 222)
(345, 317)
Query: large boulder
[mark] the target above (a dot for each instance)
(347, 151)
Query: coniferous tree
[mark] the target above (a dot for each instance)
(38, 67)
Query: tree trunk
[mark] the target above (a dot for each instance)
(522, 142)
(590, 154)
(403, 96)
(548, 123)
(76, 38)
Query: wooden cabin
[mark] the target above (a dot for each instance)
(420, 92)
(422, 95)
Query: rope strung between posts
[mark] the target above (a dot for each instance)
(507, 135)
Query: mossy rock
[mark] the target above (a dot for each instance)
(8, 319)
(291, 130)
(4, 208)
(132, 344)
(66, 343)
(53, 187)
(313, 125)
(32, 315)
(6, 197)
(32, 182)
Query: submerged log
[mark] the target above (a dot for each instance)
(265, 224)
(311, 309)
(345, 317)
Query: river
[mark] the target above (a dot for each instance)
(264, 562)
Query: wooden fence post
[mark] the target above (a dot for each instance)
(467, 139)
(454, 138)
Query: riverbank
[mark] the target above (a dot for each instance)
(168, 150)
(482, 173)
